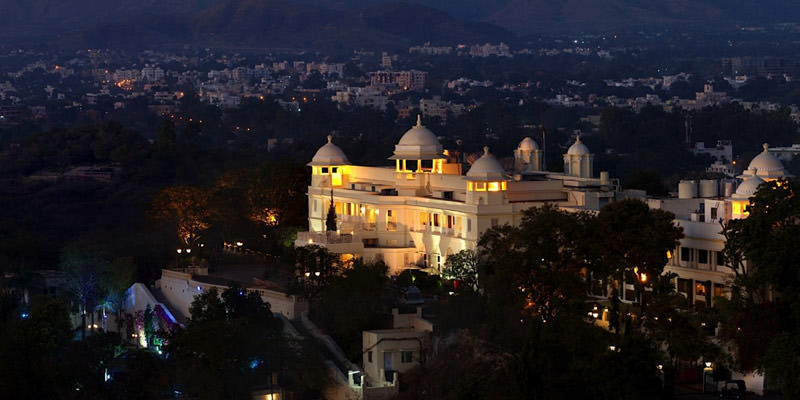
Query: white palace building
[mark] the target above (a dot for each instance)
(423, 208)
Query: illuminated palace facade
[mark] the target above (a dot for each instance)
(420, 208)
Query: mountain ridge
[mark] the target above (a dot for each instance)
(283, 24)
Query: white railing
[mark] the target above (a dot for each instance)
(326, 237)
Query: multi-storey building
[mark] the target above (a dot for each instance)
(701, 209)
(424, 208)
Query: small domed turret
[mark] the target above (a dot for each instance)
(486, 168)
(329, 154)
(767, 165)
(749, 186)
(418, 143)
(528, 144)
(578, 161)
(578, 148)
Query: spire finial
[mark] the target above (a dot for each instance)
(330, 137)
(578, 138)
(419, 119)
(486, 150)
(765, 146)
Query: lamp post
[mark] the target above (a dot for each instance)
(642, 278)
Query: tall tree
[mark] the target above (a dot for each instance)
(33, 349)
(538, 265)
(763, 316)
(330, 219)
(354, 301)
(186, 209)
(632, 239)
(462, 267)
(121, 275)
(231, 343)
(84, 271)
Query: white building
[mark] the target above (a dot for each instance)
(700, 209)
(361, 97)
(179, 289)
(423, 209)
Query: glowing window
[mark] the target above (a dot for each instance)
(480, 186)
(700, 289)
(336, 179)
(494, 186)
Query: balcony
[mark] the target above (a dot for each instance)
(323, 238)
(437, 230)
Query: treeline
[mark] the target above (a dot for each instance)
(45, 213)
(653, 141)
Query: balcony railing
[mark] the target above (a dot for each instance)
(326, 238)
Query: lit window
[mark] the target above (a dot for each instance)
(700, 289)
(494, 186)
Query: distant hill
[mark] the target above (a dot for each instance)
(535, 16)
(35, 19)
(462, 9)
(355, 23)
(283, 24)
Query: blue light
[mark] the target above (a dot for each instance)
(255, 362)
(198, 288)
(24, 315)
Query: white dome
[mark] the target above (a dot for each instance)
(486, 168)
(418, 143)
(748, 187)
(528, 144)
(329, 154)
(578, 148)
(767, 165)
